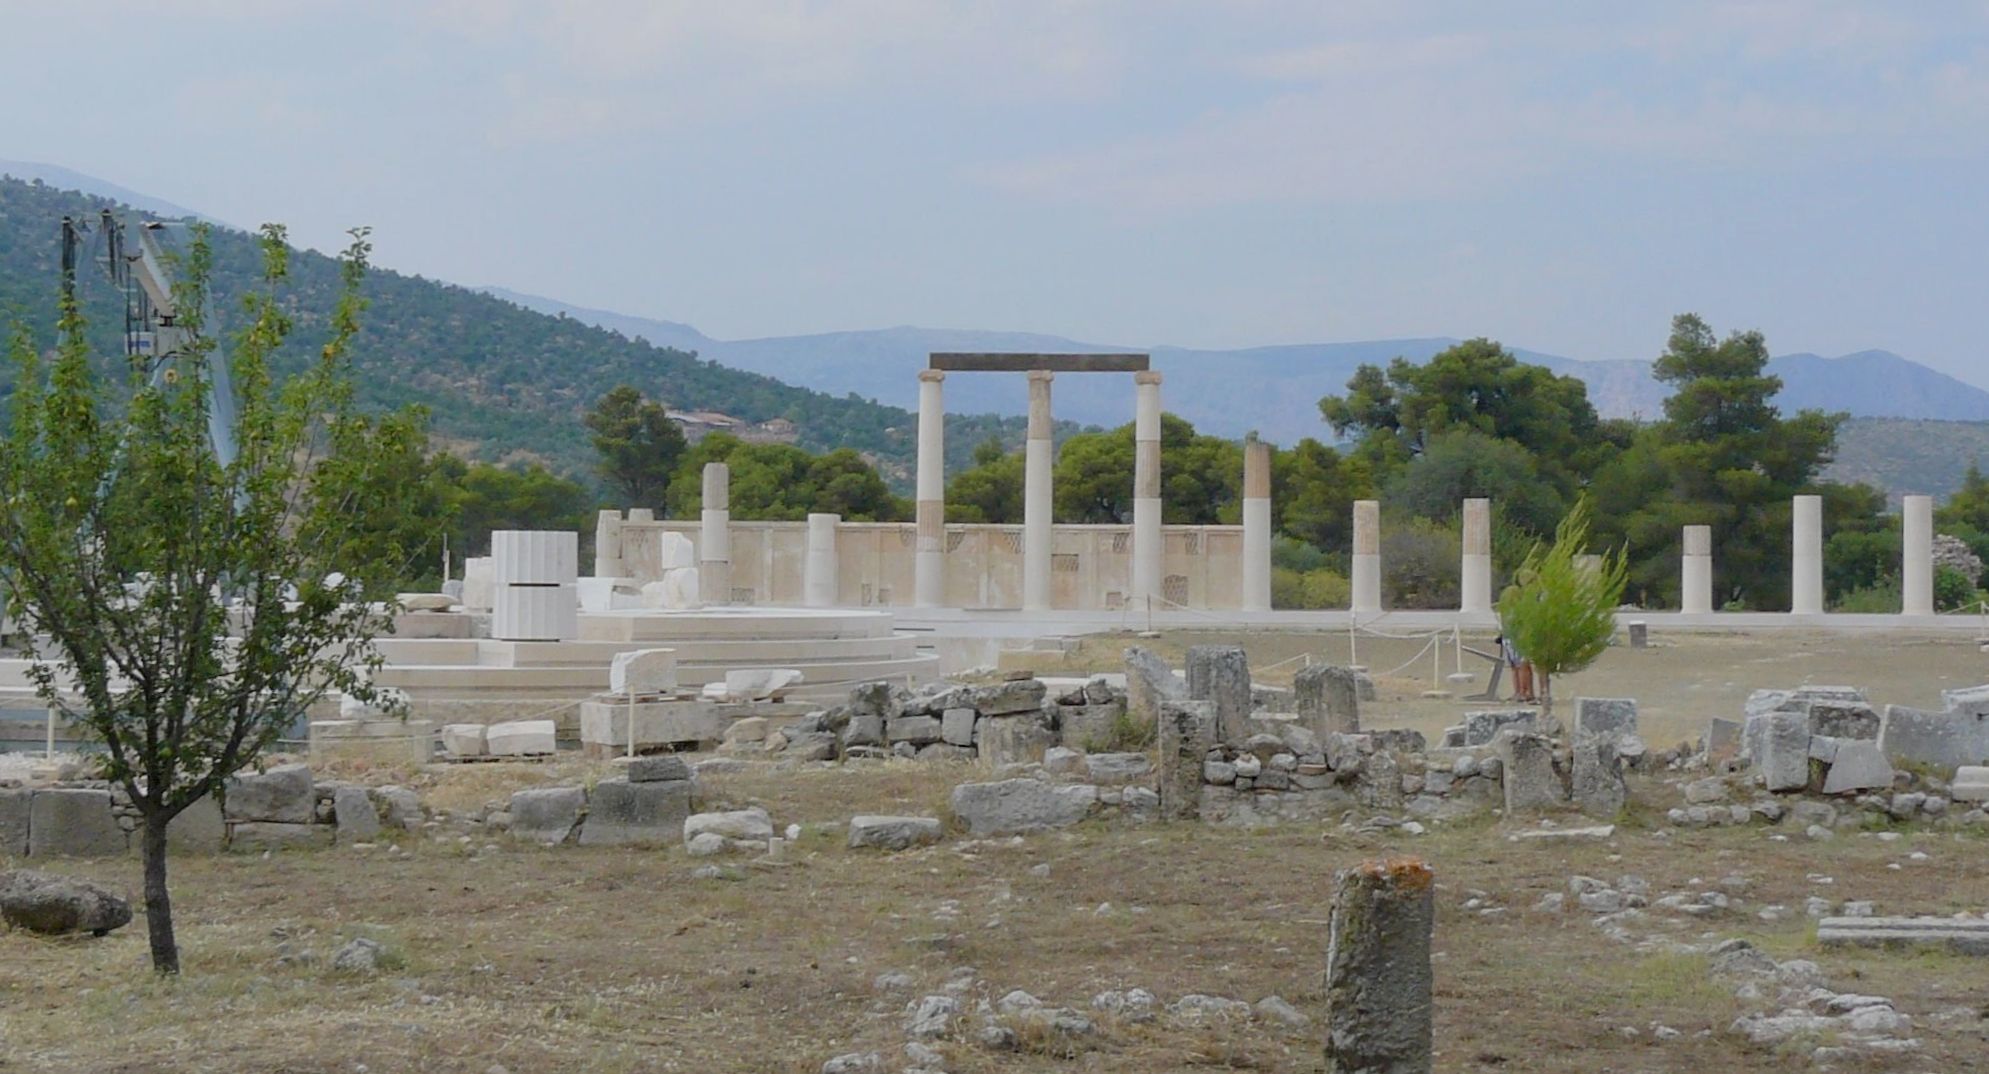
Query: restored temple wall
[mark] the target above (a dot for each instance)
(1091, 566)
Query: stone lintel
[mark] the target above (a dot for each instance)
(960, 362)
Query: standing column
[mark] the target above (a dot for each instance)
(1916, 574)
(1367, 556)
(1379, 983)
(1475, 584)
(608, 544)
(1256, 525)
(1696, 572)
(1806, 586)
(1037, 501)
(715, 535)
(1147, 547)
(819, 585)
(929, 563)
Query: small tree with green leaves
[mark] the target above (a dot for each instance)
(194, 607)
(639, 446)
(1561, 612)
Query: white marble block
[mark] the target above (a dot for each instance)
(537, 574)
(479, 583)
(465, 739)
(643, 671)
(520, 738)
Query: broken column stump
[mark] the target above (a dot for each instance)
(1378, 981)
(1187, 732)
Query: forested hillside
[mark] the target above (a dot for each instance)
(502, 383)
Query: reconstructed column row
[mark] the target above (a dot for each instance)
(1475, 584)
(1696, 572)
(1806, 582)
(1916, 571)
(929, 563)
(1367, 557)
(715, 535)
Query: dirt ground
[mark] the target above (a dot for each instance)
(575, 959)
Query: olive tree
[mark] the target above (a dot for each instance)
(1560, 613)
(190, 605)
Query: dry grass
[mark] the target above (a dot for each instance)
(596, 960)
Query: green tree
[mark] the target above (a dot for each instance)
(1561, 612)
(989, 491)
(481, 498)
(133, 547)
(1465, 463)
(1313, 489)
(781, 482)
(639, 446)
(1969, 506)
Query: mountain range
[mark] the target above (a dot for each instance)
(507, 375)
(1273, 390)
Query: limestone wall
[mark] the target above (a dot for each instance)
(1091, 566)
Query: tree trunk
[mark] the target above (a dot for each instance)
(1546, 685)
(158, 903)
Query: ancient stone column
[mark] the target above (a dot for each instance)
(1696, 572)
(608, 544)
(1220, 675)
(819, 584)
(537, 574)
(1146, 490)
(1806, 584)
(1475, 590)
(1378, 979)
(1256, 525)
(1367, 556)
(929, 566)
(1037, 499)
(1187, 732)
(715, 535)
(1916, 572)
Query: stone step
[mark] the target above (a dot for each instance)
(1968, 937)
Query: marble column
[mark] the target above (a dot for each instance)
(929, 562)
(1038, 500)
(1806, 583)
(537, 575)
(1475, 583)
(1916, 572)
(1695, 595)
(715, 535)
(819, 584)
(1256, 525)
(608, 544)
(1367, 556)
(1147, 546)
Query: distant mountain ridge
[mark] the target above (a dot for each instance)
(1273, 390)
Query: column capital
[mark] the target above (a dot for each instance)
(932, 376)
(1147, 376)
(1041, 376)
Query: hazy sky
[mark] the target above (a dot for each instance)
(1561, 177)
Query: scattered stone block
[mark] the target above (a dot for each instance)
(917, 730)
(1843, 719)
(282, 795)
(1527, 760)
(1013, 806)
(956, 726)
(1062, 761)
(1379, 984)
(14, 810)
(522, 738)
(1221, 674)
(659, 768)
(1782, 751)
(1117, 767)
(630, 813)
(1971, 784)
(1187, 733)
(746, 825)
(199, 828)
(1858, 766)
(1327, 699)
(55, 905)
(1008, 698)
(893, 833)
(1556, 835)
(546, 815)
(73, 822)
(1148, 681)
(1611, 717)
(1019, 738)
(465, 740)
(1940, 739)
(1722, 741)
(1599, 789)
(747, 730)
(358, 821)
(1962, 936)
(401, 806)
(1480, 728)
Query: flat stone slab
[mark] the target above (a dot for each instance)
(283, 795)
(546, 814)
(893, 833)
(1550, 835)
(1971, 784)
(625, 813)
(1970, 937)
(1021, 805)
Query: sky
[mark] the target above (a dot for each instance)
(1560, 177)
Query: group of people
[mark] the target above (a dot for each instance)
(1522, 672)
